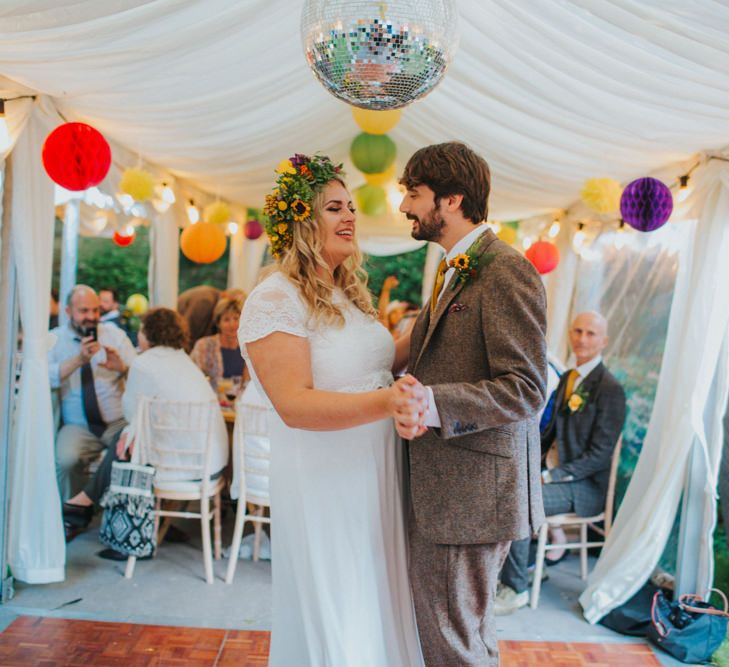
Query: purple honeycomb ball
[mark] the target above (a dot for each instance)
(646, 204)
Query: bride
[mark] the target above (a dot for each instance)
(341, 596)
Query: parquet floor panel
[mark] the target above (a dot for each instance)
(31, 641)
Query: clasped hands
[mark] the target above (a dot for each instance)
(409, 407)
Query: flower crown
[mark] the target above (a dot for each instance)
(300, 178)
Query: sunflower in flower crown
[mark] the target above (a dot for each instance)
(299, 179)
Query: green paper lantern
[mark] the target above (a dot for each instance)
(371, 200)
(372, 153)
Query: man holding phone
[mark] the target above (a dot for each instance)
(88, 365)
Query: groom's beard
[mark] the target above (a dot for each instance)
(430, 228)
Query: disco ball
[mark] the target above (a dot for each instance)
(379, 55)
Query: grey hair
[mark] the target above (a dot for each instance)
(75, 289)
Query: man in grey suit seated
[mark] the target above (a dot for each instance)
(577, 448)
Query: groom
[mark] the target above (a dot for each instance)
(478, 347)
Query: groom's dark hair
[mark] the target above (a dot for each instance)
(448, 169)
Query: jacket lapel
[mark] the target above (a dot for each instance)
(450, 291)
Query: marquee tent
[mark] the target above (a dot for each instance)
(213, 94)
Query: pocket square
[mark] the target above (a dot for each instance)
(457, 307)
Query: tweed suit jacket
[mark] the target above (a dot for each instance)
(586, 438)
(476, 479)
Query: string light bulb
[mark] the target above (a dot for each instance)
(578, 241)
(193, 214)
(168, 194)
(232, 228)
(4, 132)
(621, 236)
(554, 229)
(526, 242)
(684, 189)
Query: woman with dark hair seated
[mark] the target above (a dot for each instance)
(163, 370)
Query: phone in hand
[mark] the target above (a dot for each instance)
(92, 331)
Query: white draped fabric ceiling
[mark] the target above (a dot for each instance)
(550, 92)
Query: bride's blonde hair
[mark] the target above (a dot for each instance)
(302, 262)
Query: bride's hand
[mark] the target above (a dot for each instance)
(410, 403)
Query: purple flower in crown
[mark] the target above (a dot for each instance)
(299, 159)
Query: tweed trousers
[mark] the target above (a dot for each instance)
(454, 589)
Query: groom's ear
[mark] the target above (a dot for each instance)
(452, 202)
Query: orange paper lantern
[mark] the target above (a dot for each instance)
(544, 255)
(203, 243)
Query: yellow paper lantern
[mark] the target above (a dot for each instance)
(376, 122)
(382, 178)
(203, 243)
(137, 183)
(138, 304)
(218, 213)
(602, 195)
(507, 235)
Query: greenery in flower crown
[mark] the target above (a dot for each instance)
(300, 178)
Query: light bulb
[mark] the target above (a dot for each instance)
(193, 214)
(394, 196)
(527, 242)
(168, 194)
(554, 229)
(578, 240)
(4, 135)
(232, 228)
(128, 230)
(684, 189)
(160, 205)
(127, 201)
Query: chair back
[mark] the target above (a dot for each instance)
(610, 499)
(253, 448)
(175, 437)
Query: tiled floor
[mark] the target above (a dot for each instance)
(32, 641)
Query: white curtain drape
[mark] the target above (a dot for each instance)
(245, 260)
(164, 258)
(36, 546)
(695, 360)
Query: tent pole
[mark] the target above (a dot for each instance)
(69, 255)
(8, 342)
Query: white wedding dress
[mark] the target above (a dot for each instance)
(341, 596)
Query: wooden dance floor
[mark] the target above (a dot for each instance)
(33, 641)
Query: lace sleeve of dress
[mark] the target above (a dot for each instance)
(268, 309)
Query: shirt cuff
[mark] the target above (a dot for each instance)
(432, 418)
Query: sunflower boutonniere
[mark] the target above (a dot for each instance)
(577, 401)
(468, 263)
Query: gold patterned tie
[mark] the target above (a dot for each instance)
(571, 379)
(438, 284)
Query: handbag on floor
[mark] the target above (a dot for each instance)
(127, 524)
(690, 629)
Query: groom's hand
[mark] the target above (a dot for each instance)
(410, 415)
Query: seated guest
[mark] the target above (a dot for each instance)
(218, 356)
(87, 365)
(162, 370)
(577, 449)
(196, 305)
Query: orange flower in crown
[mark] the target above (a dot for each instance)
(299, 179)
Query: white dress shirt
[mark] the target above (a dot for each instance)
(109, 384)
(585, 369)
(432, 418)
(169, 374)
